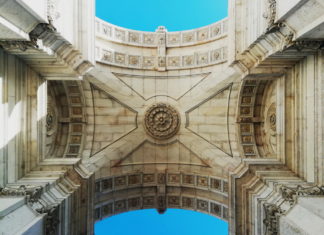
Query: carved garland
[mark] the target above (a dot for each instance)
(33, 193)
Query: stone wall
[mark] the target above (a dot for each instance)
(22, 109)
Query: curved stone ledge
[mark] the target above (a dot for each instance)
(190, 180)
(173, 62)
(151, 200)
(193, 37)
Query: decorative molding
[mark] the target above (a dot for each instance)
(34, 35)
(77, 119)
(290, 196)
(143, 179)
(308, 45)
(142, 196)
(31, 192)
(197, 36)
(52, 218)
(161, 203)
(107, 55)
(246, 118)
(17, 45)
(272, 213)
(33, 195)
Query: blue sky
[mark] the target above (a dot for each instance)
(147, 15)
(172, 222)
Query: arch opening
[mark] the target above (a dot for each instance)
(173, 221)
(174, 15)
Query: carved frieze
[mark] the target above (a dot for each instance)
(17, 45)
(197, 59)
(173, 39)
(311, 45)
(291, 194)
(32, 192)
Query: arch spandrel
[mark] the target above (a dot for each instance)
(202, 146)
(198, 145)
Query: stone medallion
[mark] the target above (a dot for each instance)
(161, 121)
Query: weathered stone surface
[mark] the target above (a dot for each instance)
(226, 119)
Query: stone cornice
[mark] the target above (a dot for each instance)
(31, 192)
(289, 197)
(47, 42)
(279, 42)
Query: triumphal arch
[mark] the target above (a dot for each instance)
(98, 120)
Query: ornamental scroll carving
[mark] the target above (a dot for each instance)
(271, 16)
(290, 195)
(52, 218)
(33, 193)
(161, 121)
(34, 35)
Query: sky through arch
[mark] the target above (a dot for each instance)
(147, 15)
(172, 222)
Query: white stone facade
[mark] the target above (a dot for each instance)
(97, 119)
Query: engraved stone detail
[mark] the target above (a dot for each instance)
(161, 121)
(290, 196)
(32, 192)
(271, 221)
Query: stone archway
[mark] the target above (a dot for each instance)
(246, 115)
(161, 140)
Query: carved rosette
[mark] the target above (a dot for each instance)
(161, 121)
